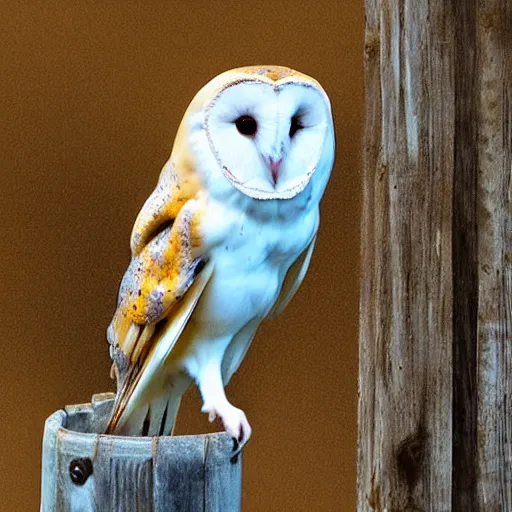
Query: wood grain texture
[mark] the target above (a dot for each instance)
(435, 328)
(405, 337)
(143, 474)
(221, 481)
(494, 213)
(465, 266)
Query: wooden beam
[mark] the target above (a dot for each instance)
(435, 420)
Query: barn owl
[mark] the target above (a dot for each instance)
(222, 243)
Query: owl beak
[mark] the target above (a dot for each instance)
(274, 168)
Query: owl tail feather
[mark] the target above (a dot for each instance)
(158, 416)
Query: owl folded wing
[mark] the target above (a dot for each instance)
(293, 279)
(162, 206)
(158, 293)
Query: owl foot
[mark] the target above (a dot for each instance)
(234, 421)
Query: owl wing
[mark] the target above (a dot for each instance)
(293, 279)
(162, 206)
(158, 293)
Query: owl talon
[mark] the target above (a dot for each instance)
(238, 446)
(235, 424)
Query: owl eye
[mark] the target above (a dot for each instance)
(295, 125)
(246, 125)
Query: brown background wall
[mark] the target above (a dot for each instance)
(91, 94)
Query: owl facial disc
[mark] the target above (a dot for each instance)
(267, 131)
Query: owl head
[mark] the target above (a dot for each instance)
(264, 130)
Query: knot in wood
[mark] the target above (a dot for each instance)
(410, 455)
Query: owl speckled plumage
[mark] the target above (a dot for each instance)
(222, 243)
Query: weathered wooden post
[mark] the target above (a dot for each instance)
(88, 472)
(435, 408)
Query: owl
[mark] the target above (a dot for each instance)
(221, 244)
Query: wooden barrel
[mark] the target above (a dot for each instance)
(85, 471)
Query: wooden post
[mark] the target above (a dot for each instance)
(435, 383)
(88, 472)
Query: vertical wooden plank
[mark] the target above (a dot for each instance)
(373, 284)
(123, 474)
(494, 460)
(72, 497)
(179, 484)
(405, 381)
(49, 469)
(465, 273)
(223, 489)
